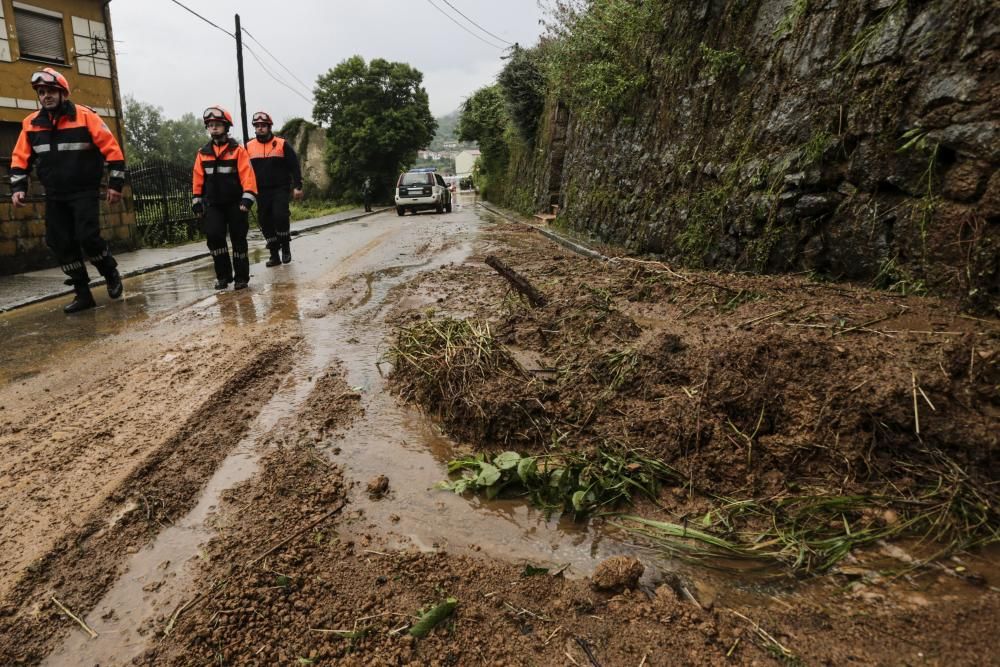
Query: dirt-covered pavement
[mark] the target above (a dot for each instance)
(247, 479)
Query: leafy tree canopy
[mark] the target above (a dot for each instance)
(148, 135)
(378, 118)
(523, 84)
(484, 119)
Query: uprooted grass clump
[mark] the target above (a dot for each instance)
(808, 419)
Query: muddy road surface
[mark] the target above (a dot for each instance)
(193, 477)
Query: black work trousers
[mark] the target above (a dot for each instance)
(73, 232)
(274, 218)
(220, 220)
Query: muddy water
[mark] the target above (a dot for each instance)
(341, 324)
(340, 313)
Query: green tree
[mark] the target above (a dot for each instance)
(484, 119)
(142, 129)
(180, 139)
(523, 86)
(148, 135)
(378, 117)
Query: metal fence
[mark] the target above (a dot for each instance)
(162, 195)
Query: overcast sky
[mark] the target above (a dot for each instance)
(172, 59)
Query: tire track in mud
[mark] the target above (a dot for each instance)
(86, 562)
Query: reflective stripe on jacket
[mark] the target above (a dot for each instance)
(275, 164)
(70, 155)
(222, 174)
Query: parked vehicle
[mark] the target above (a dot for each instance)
(421, 189)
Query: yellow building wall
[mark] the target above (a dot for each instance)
(15, 76)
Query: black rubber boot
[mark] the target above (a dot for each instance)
(239, 284)
(222, 283)
(286, 253)
(274, 260)
(115, 286)
(83, 300)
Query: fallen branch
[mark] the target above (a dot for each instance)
(517, 281)
(313, 524)
(87, 628)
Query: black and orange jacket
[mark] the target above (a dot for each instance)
(222, 175)
(69, 155)
(275, 164)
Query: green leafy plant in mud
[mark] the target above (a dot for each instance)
(430, 618)
(569, 481)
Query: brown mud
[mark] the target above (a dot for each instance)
(748, 387)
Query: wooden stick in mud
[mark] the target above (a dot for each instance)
(87, 628)
(916, 409)
(291, 537)
(517, 281)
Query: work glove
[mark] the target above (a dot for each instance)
(246, 203)
(198, 209)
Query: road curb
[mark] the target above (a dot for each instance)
(570, 244)
(174, 262)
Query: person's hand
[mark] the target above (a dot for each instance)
(114, 196)
(297, 194)
(198, 209)
(246, 204)
(243, 207)
(17, 199)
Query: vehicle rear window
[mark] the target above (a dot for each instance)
(416, 179)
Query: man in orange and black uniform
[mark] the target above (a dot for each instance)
(69, 144)
(224, 189)
(276, 167)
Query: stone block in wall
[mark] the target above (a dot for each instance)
(29, 212)
(965, 181)
(989, 204)
(123, 233)
(11, 230)
(35, 228)
(8, 248)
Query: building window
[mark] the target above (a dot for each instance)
(39, 34)
(90, 40)
(4, 40)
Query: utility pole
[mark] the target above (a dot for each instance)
(243, 92)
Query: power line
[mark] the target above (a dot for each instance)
(268, 72)
(452, 19)
(273, 57)
(475, 24)
(249, 50)
(214, 25)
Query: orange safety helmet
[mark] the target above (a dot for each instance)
(217, 113)
(261, 117)
(50, 77)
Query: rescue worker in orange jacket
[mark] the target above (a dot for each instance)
(277, 168)
(224, 190)
(69, 144)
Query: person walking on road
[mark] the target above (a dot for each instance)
(69, 145)
(277, 168)
(366, 190)
(224, 189)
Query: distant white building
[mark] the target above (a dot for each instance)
(464, 162)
